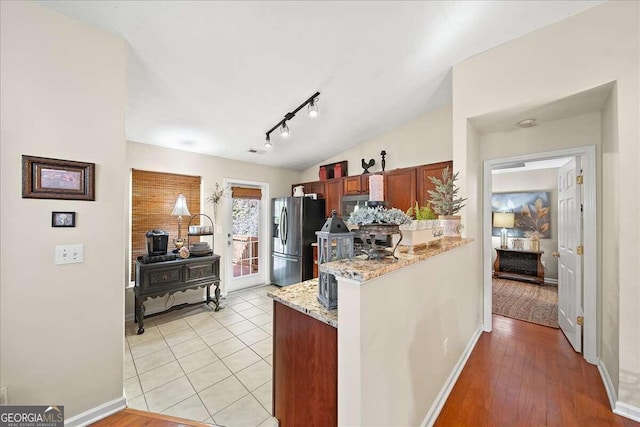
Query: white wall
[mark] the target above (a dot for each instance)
(423, 140)
(63, 96)
(534, 180)
(391, 359)
(597, 46)
(211, 169)
(609, 310)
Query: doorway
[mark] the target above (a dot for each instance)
(246, 253)
(589, 239)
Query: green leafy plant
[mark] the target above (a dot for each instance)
(445, 199)
(421, 213)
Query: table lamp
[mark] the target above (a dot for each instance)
(504, 220)
(180, 209)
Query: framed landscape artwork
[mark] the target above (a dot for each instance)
(532, 213)
(44, 178)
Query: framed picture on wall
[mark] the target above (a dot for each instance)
(63, 219)
(44, 178)
(532, 213)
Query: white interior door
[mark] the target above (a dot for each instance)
(569, 262)
(246, 242)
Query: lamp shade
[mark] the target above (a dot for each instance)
(181, 206)
(503, 219)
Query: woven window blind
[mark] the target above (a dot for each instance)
(153, 196)
(246, 193)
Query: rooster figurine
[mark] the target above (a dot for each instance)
(366, 165)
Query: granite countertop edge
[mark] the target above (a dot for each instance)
(302, 297)
(361, 269)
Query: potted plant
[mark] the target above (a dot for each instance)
(423, 217)
(446, 203)
(378, 216)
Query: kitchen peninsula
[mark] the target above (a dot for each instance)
(385, 364)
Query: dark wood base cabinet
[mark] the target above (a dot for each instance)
(166, 278)
(519, 265)
(305, 369)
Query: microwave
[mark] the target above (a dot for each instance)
(349, 204)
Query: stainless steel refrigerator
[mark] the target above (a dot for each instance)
(294, 226)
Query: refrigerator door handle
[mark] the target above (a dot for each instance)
(289, 258)
(280, 227)
(286, 223)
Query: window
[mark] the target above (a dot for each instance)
(153, 196)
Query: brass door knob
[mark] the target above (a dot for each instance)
(556, 254)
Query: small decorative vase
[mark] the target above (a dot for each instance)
(452, 226)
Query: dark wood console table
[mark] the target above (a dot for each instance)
(168, 277)
(519, 265)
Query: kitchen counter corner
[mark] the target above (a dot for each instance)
(303, 298)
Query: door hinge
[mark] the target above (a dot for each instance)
(580, 320)
(580, 250)
(580, 179)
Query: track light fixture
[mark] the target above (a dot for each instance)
(312, 102)
(284, 129)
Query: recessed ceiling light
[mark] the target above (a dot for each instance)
(527, 123)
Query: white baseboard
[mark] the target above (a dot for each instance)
(620, 408)
(627, 411)
(437, 405)
(97, 413)
(551, 281)
(608, 384)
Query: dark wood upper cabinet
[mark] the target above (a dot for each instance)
(315, 187)
(425, 184)
(332, 195)
(355, 185)
(400, 188)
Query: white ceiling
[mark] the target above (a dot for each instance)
(213, 77)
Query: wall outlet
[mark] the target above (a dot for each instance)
(4, 396)
(69, 254)
(445, 344)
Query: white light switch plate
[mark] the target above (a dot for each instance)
(69, 254)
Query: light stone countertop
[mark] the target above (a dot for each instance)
(360, 269)
(302, 297)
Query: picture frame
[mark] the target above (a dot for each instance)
(44, 178)
(532, 211)
(63, 219)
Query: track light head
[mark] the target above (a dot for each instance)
(313, 107)
(284, 129)
(267, 143)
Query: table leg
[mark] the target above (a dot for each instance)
(217, 296)
(140, 315)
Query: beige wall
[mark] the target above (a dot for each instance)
(534, 180)
(425, 139)
(63, 96)
(211, 169)
(391, 354)
(597, 46)
(609, 310)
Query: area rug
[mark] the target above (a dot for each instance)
(524, 301)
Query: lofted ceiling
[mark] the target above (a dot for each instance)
(213, 76)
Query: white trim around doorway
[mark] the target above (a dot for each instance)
(265, 237)
(589, 240)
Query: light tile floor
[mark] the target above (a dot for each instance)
(204, 365)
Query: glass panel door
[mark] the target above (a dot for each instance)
(246, 219)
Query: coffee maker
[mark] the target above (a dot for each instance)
(157, 241)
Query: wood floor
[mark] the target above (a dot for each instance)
(523, 374)
(135, 418)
